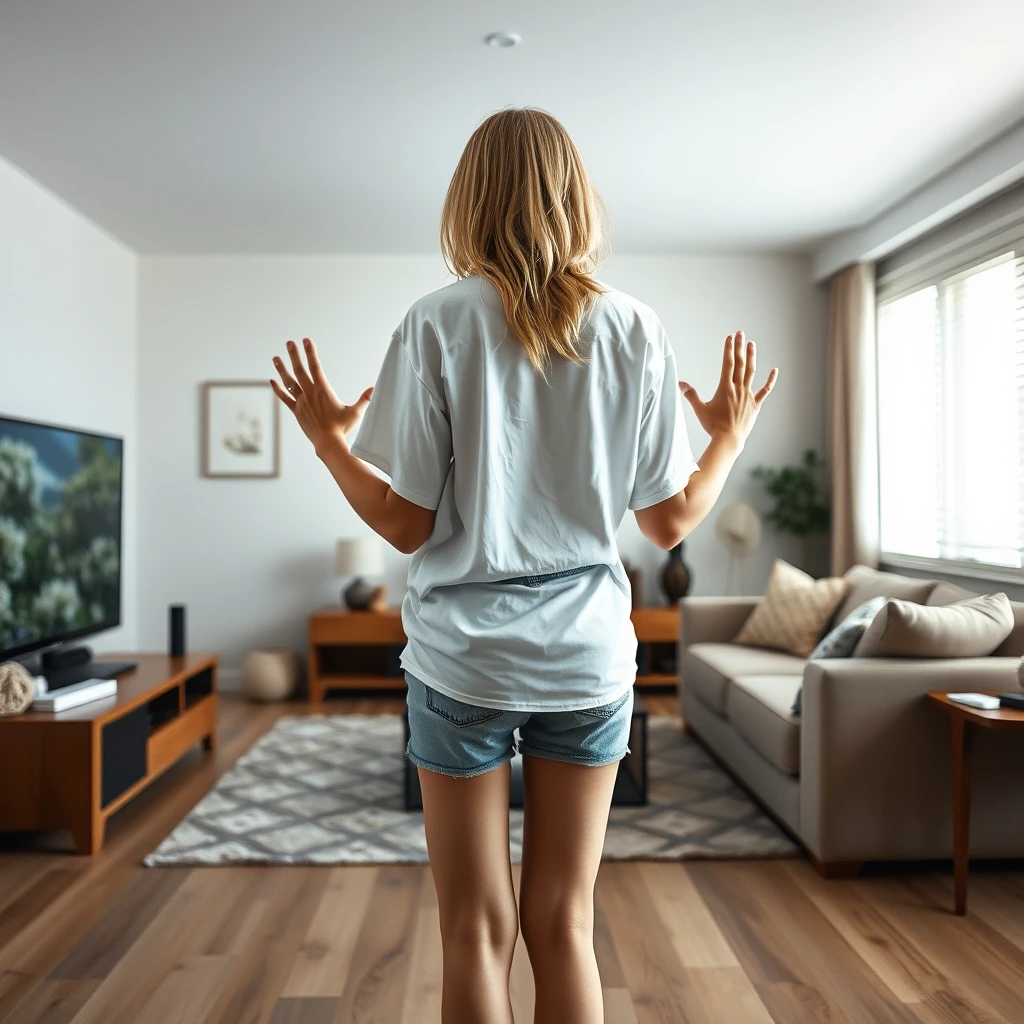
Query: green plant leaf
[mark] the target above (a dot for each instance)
(801, 503)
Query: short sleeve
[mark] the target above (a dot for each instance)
(405, 431)
(664, 458)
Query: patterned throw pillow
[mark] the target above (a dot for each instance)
(841, 641)
(794, 612)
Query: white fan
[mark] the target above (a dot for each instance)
(739, 529)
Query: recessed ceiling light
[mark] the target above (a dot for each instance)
(503, 40)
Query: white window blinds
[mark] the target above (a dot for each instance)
(951, 416)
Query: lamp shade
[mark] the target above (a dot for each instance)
(358, 556)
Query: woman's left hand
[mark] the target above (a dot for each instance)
(323, 418)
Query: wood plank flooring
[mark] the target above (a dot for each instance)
(102, 940)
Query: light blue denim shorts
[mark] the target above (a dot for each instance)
(458, 739)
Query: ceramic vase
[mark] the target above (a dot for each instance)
(676, 577)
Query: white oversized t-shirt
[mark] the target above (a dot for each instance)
(528, 476)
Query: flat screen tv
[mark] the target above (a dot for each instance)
(60, 535)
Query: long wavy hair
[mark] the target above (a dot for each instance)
(522, 212)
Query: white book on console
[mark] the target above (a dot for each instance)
(76, 694)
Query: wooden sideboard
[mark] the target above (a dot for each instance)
(359, 650)
(73, 769)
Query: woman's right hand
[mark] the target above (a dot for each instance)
(324, 419)
(732, 410)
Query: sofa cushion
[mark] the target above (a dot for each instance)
(948, 593)
(866, 583)
(758, 709)
(709, 668)
(1013, 645)
(967, 629)
(843, 639)
(794, 612)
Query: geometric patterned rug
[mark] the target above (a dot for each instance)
(327, 789)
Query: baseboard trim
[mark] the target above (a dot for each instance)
(835, 868)
(229, 680)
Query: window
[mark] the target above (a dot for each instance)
(951, 417)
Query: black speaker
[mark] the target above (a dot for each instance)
(176, 631)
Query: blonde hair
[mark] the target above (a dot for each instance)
(522, 212)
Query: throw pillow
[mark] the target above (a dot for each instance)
(966, 629)
(841, 641)
(866, 583)
(794, 612)
(1013, 645)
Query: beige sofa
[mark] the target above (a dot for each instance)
(864, 773)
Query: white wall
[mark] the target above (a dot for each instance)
(251, 558)
(700, 300)
(67, 338)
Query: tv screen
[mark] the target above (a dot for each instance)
(60, 535)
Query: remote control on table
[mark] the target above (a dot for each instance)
(1012, 700)
(984, 701)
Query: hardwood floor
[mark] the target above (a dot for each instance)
(102, 940)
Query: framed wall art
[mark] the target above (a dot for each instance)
(241, 429)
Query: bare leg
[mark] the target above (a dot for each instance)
(566, 815)
(467, 837)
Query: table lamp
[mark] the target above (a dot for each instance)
(358, 557)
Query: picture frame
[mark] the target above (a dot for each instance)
(241, 430)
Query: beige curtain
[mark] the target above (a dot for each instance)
(852, 418)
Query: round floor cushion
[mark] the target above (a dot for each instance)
(17, 689)
(270, 674)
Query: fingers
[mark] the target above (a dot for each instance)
(282, 394)
(364, 399)
(305, 384)
(690, 394)
(316, 371)
(769, 384)
(739, 359)
(290, 384)
(748, 376)
(728, 361)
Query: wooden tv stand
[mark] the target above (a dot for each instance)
(75, 768)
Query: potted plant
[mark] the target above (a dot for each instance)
(801, 500)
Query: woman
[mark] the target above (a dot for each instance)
(519, 413)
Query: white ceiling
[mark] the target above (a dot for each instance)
(323, 125)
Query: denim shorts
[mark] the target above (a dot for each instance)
(458, 739)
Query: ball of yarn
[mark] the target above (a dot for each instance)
(17, 689)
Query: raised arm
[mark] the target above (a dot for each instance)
(327, 422)
(728, 418)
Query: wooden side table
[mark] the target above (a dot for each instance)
(354, 651)
(961, 717)
(657, 632)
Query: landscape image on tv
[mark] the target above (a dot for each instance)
(60, 532)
